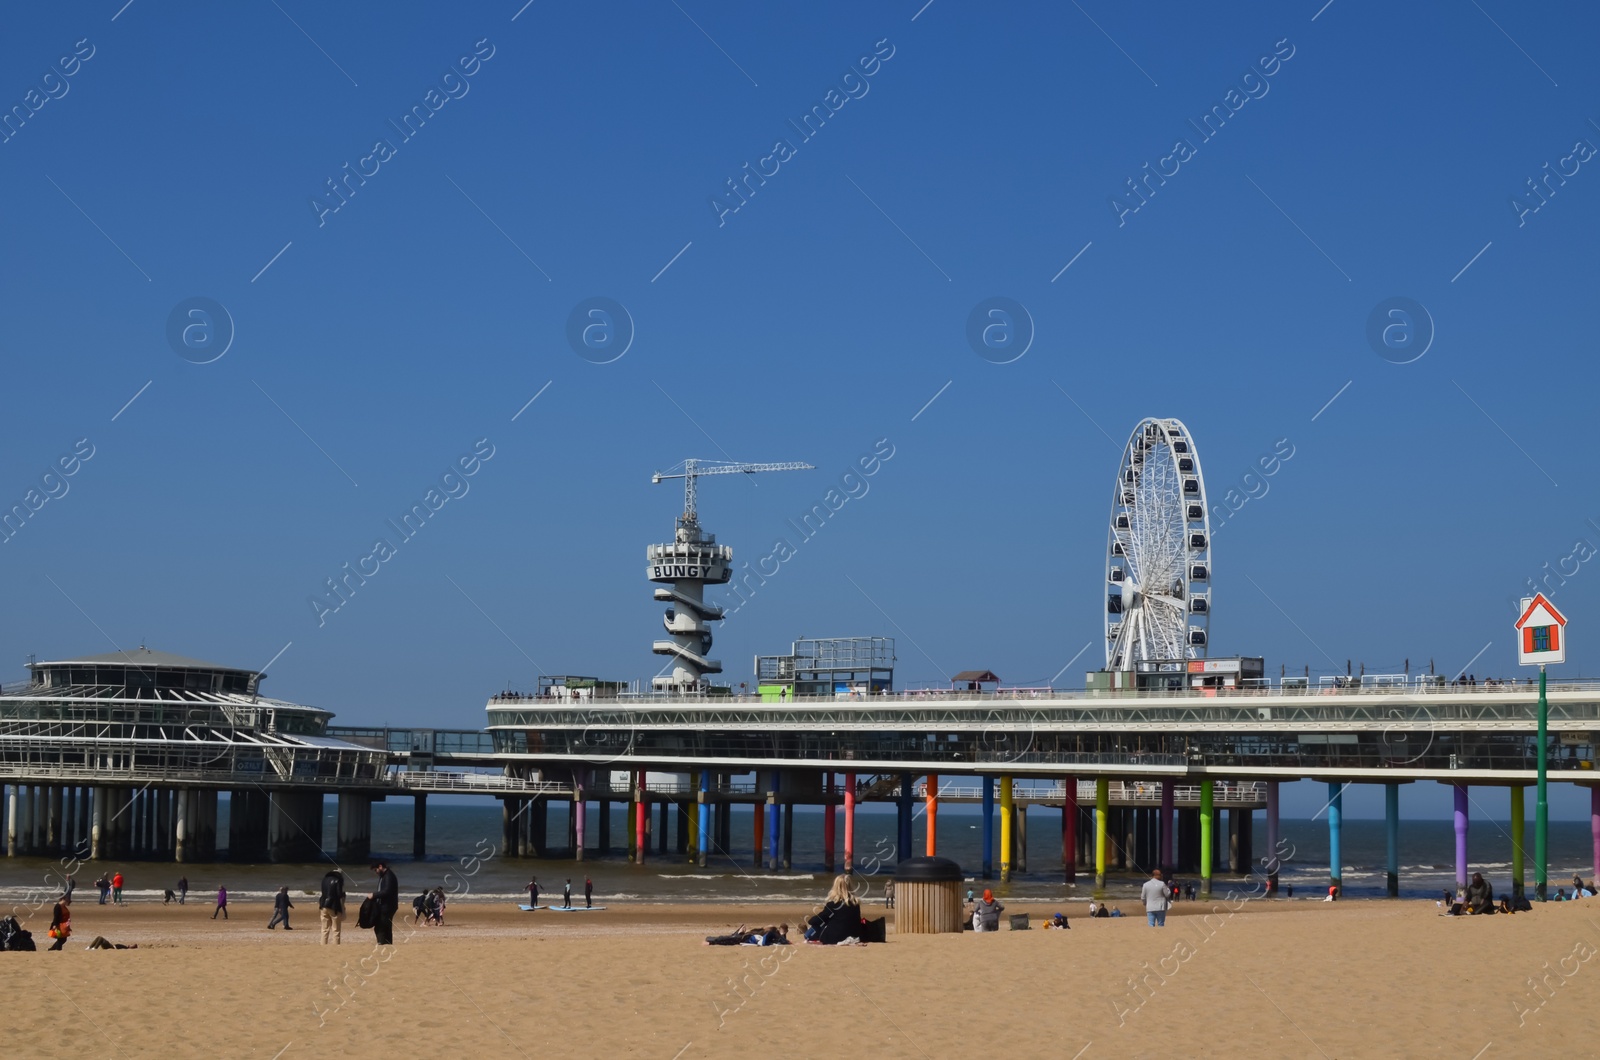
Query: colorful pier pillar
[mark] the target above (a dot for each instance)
(1461, 834)
(1069, 829)
(849, 822)
(1102, 817)
(703, 838)
(1335, 821)
(1272, 837)
(988, 826)
(1519, 879)
(759, 827)
(772, 830)
(907, 795)
(931, 797)
(1006, 809)
(1208, 844)
(579, 812)
(1166, 857)
(1391, 822)
(829, 822)
(641, 824)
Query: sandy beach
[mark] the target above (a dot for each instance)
(1353, 979)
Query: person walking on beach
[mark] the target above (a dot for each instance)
(533, 893)
(588, 893)
(183, 889)
(116, 887)
(72, 885)
(222, 903)
(103, 885)
(566, 895)
(387, 896)
(280, 909)
(1156, 899)
(331, 905)
(61, 921)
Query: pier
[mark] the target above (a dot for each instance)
(126, 756)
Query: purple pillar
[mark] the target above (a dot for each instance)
(1168, 856)
(1461, 835)
(1594, 827)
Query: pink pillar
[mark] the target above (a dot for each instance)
(641, 819)
(849, 822)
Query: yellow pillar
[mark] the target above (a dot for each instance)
(1005, 829)
(1102, 815)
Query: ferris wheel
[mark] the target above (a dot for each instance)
(1158, 551)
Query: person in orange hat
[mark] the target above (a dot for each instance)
(987, 916)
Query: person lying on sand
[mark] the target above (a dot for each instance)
(100, 943)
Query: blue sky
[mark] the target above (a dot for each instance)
(374, 345)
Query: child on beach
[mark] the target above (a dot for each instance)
(222, 903)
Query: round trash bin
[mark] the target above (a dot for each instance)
(927, 896)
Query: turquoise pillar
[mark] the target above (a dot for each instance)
(1335, 819)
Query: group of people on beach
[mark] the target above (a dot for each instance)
(1477, 898)
(566, 893)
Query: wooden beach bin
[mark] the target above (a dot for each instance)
(927, 896)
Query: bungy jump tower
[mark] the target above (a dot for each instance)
(683, 568)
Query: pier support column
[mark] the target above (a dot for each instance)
(788, 836)
(705, 838)
(849, 822)
(931, 804)
(1519, 879)
(180, 830)
(641, 828)
(1006, 808)
(11, 822)
(1335, 823)
(988, 826)
(1020, 861)
(419, 824)
(1167, 855)
(1461, 834)
(539, 826)
(1272, 837)
(686, 823)
(52, 827)
(1594, 829)
(1391, 818)
(508, 822)
(907, 796)
(580, 810)
(1069, 830)
(772, 831)
(758, 831)
(1102, 824)
(604, 810)
(664, 815)
(830, 817)
(1208, 845)
(354, 839)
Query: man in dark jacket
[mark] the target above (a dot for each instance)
(388, 898)
(1480, 896)
(331, 904)
(280, 909)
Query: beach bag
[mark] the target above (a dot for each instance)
(368, 915)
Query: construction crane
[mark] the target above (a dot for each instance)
(692, 469)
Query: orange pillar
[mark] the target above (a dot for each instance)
(932, 796)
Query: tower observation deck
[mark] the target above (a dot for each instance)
(682, 569)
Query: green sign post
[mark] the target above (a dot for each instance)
(1541, 639)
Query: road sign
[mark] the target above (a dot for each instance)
(1541, 633)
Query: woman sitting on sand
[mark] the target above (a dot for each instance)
(1480, 896)
(840, 916)
(987, 916)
